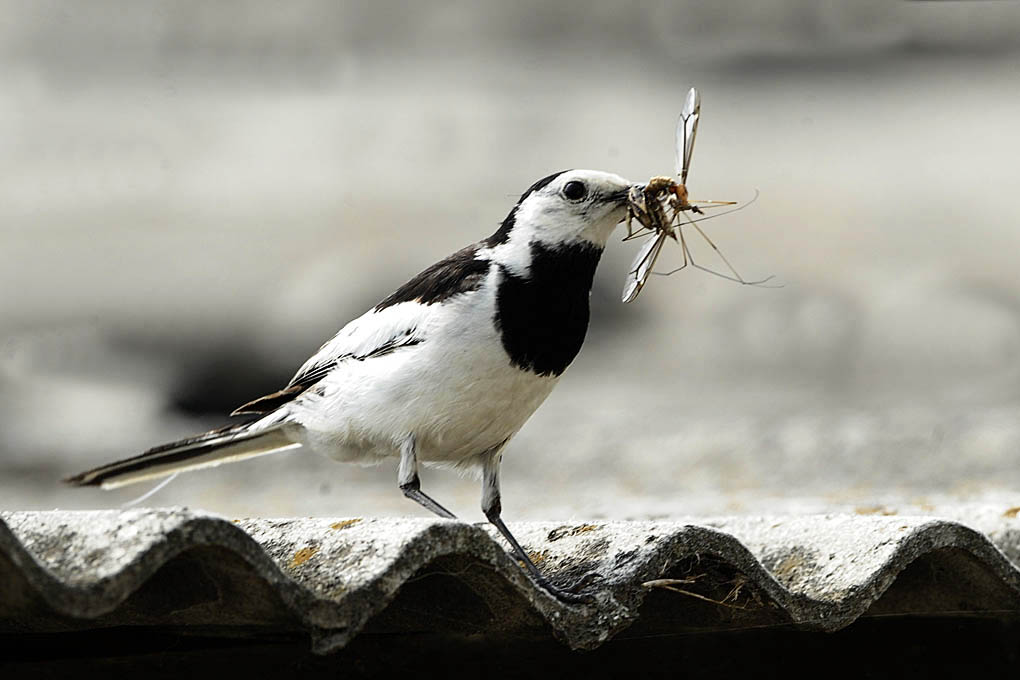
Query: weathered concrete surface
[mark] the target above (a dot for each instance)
(335, 578)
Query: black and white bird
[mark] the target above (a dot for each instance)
(447, 369)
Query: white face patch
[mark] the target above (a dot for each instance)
(552, 220)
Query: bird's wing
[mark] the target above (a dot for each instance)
(401, 320)
(374, 334)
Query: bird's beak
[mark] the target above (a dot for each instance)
(618, 196)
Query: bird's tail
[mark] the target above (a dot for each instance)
(226, 445)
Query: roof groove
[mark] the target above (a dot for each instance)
(336, 577)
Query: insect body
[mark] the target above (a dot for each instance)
(648, 204)
(659, 205)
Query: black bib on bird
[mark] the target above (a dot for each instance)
(543, 317)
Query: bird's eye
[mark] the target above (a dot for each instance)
(575, 191)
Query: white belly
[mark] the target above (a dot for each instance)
(457, 393)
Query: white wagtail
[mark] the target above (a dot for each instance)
(446, 369)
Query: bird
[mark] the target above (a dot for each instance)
(446, 369)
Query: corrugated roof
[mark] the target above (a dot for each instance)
(336, 578)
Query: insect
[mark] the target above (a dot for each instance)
(660, 204)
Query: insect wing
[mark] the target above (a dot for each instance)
(641, 268)
(686, 129)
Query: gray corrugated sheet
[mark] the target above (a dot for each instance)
(63, 571)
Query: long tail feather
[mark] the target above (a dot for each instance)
(227, 445)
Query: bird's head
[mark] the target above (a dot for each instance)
(572, 207)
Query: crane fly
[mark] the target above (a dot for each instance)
(659, 205)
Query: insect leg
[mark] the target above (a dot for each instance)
(683, 249)
(644, 219)
(643, 231)
(736, 275)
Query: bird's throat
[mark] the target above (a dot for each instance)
(543, 316)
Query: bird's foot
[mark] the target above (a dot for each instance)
(570, 594)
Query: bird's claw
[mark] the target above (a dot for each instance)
(585, 581)
(570, 593)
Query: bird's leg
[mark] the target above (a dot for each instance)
(407, 478)
(492, 507)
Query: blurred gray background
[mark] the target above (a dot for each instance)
(195, 195)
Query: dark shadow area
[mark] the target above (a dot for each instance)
(902, 647)
(458, 596)
(703, 594)
(949, 581)
(206, 587)
(214, 382)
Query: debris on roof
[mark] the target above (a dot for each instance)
(333, 579)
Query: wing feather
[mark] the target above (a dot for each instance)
(372, 335)
(399, 322)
